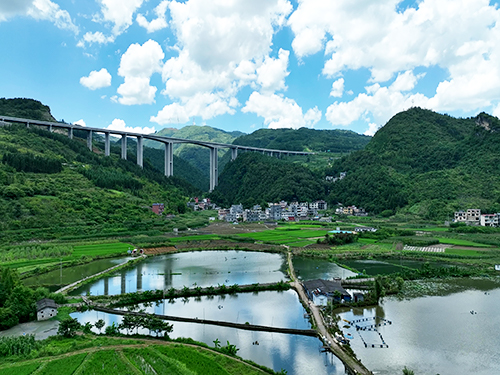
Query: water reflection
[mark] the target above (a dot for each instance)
(192, 269)
(312, 268)
(296, 354)
(435, 334)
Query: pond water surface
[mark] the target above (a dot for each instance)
(194, 268)
(294, 353)
(434, 335)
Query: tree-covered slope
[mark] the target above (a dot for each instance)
(25, 108)
(254, 178)
(51, 185)
(305, 139)
(425, 163)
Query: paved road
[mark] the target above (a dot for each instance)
(336, 348)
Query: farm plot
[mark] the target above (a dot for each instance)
(63, 366)
(20, 370)
(105, 362)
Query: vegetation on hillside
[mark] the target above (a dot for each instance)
(90, 193)
(305, 139)
(426, 164)
(25, 108)
(254, 178)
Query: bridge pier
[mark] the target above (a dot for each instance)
(234, 153)
(50, 129)
(106, 144)
(124, 147)
(139, 151)
(169, 159)
(89, 140)
(70, 133)
(214, 168)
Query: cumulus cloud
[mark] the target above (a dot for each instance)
(337, 88)
(120, 125)
(280, 112)
(44, 10)
(159, 23)
(380, 102)
(372, 129)
(119, 13)
(205, 105)
(137, 65)
(80, 122)
(458, 36)
(96, 79)
(272, 73)
(98, 37)
(221, 48)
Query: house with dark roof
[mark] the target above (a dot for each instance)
(320, 292)
(46, 308)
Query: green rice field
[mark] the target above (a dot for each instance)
(176, 359)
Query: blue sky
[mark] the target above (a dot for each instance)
(243, 65)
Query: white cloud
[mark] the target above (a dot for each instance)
(96, 37)
(272, 73)
(222, 46)
(97, 79)
(372, 129)
(80, 122)
(161, 19)
(119, 124)
(40, 10)
(337, 88)
(205, 105)
(120, 13)
(280, 112)
(380, 102)
(137, 65)
(458, 36)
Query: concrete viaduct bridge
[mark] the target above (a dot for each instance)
(167, 141)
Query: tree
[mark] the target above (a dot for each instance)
(100, 324)
(407, 371)
(379, 288)
(68, 327)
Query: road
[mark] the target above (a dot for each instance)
(353, 366)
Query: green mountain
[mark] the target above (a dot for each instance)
(52, 186)
(305, 139)
(424, 163)
(254, 178)
(25, 108)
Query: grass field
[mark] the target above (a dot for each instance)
(460, 242)
(99, 250)
(286, 237)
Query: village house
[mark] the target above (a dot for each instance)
(158, 208)
(46, 308)
(470, 217)
(490, 220)
(320, 292)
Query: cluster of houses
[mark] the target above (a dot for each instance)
(473, 216)
(335, 179)
(201, 204)
(293, 211)
(351, 211)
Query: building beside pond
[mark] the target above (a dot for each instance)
(46, 308)
(320, 292)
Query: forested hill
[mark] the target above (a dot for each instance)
(254, 178)
(305, 139)
(52, 186)
(25, 108)
(424, 163)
